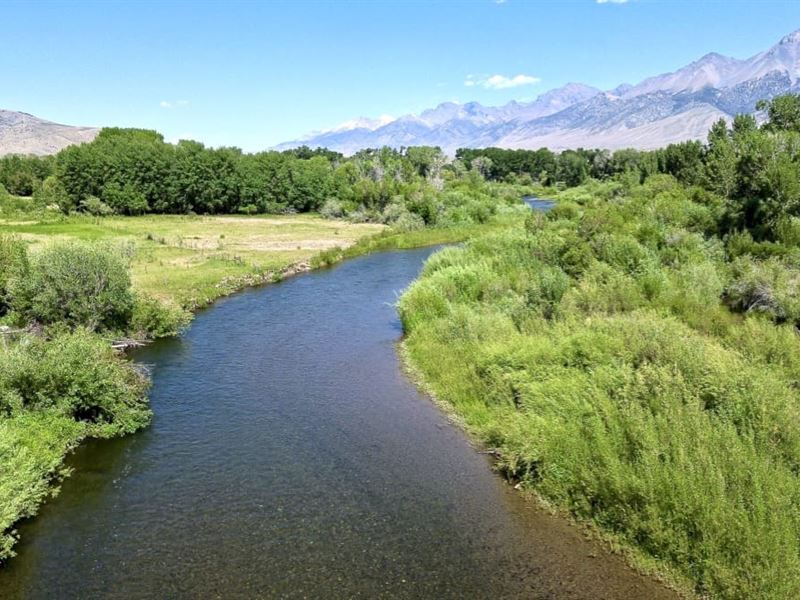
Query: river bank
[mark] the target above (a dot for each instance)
(303, 462)
(605, 356)
(33, 448)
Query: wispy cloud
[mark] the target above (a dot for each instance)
(611, 1)
(170, 104)
(500, 82)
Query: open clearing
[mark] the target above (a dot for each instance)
(190, 260)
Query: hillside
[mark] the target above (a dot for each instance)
(21, 133)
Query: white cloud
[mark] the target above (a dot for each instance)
(169, 104)
(500, 82)
(611, 1)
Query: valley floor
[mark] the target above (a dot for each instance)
(191, 260)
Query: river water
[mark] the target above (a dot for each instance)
(289, 456)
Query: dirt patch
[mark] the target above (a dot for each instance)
(277, 245)
(264, 221)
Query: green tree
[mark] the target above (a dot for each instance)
(482, 165)
(126, 200)
(53, 193)
(720, 160)
(783, 113)
(572, 169)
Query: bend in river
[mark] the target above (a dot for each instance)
(290, 457)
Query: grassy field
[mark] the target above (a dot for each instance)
(191, 260)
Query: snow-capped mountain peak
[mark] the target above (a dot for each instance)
(712, 70)
(792, 38)
(361, 123)
(666, 108)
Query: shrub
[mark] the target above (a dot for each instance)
(77, 284)
(564, 210)
(398, 216)
(248, 209)
(599, 361)
(53, 194)
(788, 231)
(765, 287)
(77, 375)
(154, 319)
(577, 259)
(13, 263)
(94, 206)
(622, 252)
(408, 222)
(332, 209)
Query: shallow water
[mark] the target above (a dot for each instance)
(289, 456)
(538, 204)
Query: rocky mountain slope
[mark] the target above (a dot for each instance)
(666, 108)
(21, 133)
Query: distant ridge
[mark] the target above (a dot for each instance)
(21, 133)
(659, 110)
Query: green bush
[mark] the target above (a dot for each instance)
(79, 284)
(15, 205)
(564, 210)
(94, 206)
(53, 393)
(13, 264)
(332, 209)
(154, 319)
(766, 287)
(52, 194)
(77, 375)
(600, 354)
(32, 448)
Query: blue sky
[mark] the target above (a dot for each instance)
(252, 74)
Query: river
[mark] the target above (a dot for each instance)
(289, 456)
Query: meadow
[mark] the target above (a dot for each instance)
(191, 260)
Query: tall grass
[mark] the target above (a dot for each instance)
(631, 387)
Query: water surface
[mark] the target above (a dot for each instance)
(289, 456)
(538, 204)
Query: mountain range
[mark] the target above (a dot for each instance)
(667, 108)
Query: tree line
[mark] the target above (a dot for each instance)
(754, 168)
(131, 171)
